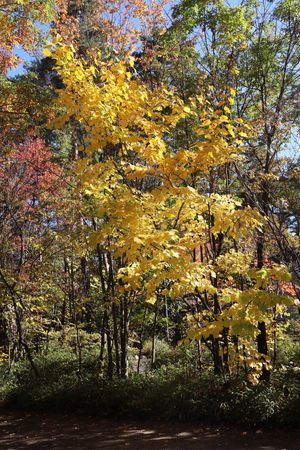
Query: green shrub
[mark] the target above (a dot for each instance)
(288, 352)
(170, 392)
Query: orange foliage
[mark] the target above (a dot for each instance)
(18, 27)
(121, 23)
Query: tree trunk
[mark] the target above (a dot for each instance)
(153, 352)
(116, 337)
(109, 350)
(262, 345)
(124, 337)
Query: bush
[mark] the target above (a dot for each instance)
(169, 392)
(288, 352)
(163, 351)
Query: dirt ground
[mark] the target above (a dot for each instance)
(23, 430)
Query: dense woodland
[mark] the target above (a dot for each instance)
(150, 206)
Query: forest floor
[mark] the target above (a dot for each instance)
(26, 430)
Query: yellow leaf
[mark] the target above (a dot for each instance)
(151, 300)
(47, 53)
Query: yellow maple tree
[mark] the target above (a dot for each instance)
(145, 197)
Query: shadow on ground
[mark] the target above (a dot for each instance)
(23, 430)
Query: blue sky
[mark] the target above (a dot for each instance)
(20, 68)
